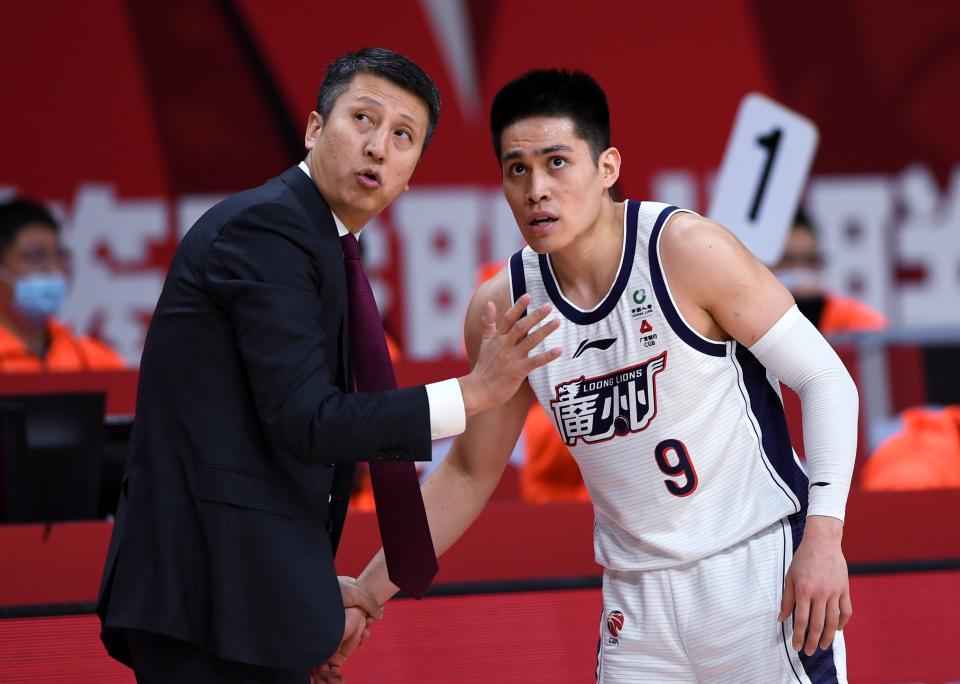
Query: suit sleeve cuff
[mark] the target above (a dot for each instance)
(448, 417)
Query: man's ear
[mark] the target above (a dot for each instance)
(609, 164)
(314, 128)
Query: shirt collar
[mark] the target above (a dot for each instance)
(341, 229)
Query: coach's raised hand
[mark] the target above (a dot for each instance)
(503, 360)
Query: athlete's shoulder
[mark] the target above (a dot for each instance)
(697, 240)
(495, 289)
(708, 264)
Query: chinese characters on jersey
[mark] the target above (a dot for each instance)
(596, 409)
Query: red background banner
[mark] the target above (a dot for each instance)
(133, 118)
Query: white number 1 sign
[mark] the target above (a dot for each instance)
(763, 174)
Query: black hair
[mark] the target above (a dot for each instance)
(17, 214)
(801, 221)
(387, 64)
(554, 92)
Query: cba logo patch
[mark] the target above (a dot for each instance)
(614, 625)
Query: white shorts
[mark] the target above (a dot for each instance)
(714, 620)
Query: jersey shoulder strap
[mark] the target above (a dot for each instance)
(518, 279)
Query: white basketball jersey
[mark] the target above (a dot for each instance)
(681, 440)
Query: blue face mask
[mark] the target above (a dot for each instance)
(39, 296)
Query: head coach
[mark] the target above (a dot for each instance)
(264, 379)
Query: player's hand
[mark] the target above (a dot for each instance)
(817, 589)
(355, 596)
(355, 632)
(503, 360)
(326, 675)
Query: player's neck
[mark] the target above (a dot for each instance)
(586, 268)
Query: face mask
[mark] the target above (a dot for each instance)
(795, 279)
(39, 296)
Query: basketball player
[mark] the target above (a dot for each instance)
(722, 559)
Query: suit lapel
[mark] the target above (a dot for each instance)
(316, 208)
(319, 212)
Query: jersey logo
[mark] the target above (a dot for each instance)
(614, 625)
(595, 344)
(645, 327)
(641, 306)
(608, 406)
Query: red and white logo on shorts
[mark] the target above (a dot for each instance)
(614, 623)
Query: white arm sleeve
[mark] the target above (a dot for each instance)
(796, 353)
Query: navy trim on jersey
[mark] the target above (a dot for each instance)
(603, 309)
(666, 302)
(767, 408)
(820, 667)
(518, 280)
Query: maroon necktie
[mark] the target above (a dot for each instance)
(404, 532)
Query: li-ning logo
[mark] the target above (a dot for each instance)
(608, 406)
(595, 344)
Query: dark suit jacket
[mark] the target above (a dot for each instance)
(232, 502)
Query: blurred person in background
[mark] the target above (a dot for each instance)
(33, 286)
(801, 271)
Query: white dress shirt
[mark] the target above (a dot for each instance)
(448, 417)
